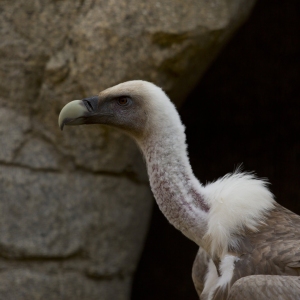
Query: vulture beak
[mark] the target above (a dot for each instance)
(79, 112)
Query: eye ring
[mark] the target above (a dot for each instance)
(123, 101)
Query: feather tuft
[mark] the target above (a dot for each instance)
(238, 202)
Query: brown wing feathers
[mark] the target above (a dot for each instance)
(267, 287)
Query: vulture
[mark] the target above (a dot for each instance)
(249, 245)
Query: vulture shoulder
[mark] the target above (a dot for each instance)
(271, 251)
(270, 287)
(277, 244)
(200, 270)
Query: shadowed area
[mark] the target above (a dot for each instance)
(245, 110)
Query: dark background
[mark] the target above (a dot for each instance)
(244, 110)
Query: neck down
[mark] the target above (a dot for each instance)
(175, 188)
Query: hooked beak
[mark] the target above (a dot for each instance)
(77, 112)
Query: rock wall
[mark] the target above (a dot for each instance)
(74, 207)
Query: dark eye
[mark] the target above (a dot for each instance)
(123, 101)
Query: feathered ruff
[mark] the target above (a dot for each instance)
(238, 202)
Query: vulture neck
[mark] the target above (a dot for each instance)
(175, 188)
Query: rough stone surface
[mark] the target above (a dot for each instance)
(74, 207)
(25, 284)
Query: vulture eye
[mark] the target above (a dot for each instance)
(123, 101)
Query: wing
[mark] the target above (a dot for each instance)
(200, 269)
(261, 287)
(277, 245)
(273, 250)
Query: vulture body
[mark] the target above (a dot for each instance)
(240, 230)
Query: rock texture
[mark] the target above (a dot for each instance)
(74, 207)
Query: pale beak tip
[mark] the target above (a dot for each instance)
(71, 111)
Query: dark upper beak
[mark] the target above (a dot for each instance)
(78, 111)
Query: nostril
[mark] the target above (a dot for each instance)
(88, 105)
(91, 103)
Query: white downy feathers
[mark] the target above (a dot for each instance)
(237, 202)
(213, 281)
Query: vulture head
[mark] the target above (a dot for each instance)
(137, 107)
